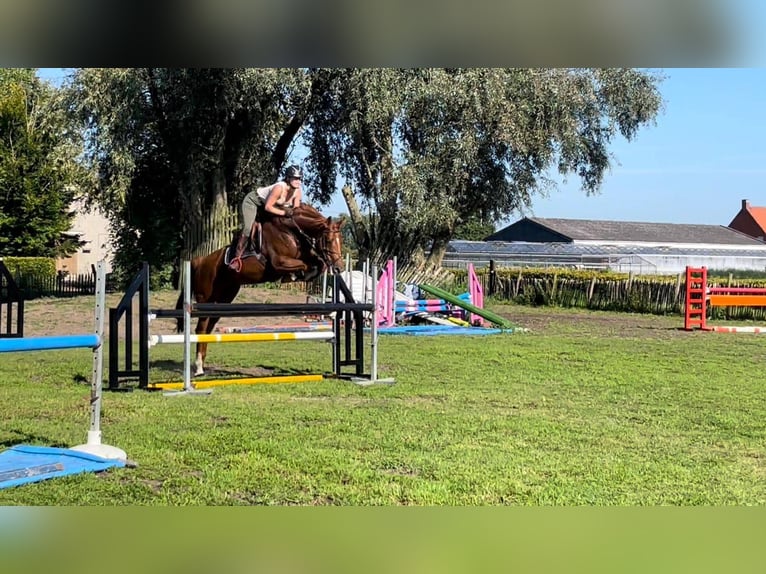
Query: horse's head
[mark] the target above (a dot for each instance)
(330, 245)
(325, 233)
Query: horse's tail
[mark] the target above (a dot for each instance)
(180, 301)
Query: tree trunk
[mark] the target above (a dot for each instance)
(212, 230)
(438, 249)
(361, 233)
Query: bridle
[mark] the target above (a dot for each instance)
(322, 247)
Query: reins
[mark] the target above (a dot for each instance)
(318, 245)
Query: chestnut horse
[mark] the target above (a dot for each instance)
(295, 249)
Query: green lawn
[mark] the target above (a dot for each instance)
(586, 409)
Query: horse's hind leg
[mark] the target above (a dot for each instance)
(199, 363)
(207, 324)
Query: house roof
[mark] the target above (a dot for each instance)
(592, 230)
(759, 215)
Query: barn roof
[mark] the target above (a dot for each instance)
(592, 230)
(591, 249)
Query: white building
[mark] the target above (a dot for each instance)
(626, 246)
(93, 228)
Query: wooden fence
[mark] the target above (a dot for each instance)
(633, 294)
(587, 290)
(59, 285)
(210, 233)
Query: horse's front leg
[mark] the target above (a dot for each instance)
(288, 266)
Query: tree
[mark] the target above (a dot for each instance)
(425, 149)
(173, 149)
(473, 229)
(39, 172)
(422, 151)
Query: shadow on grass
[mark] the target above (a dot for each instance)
(26, 438)
(174, 368)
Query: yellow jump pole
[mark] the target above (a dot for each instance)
(245, 381)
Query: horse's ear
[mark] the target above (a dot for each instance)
(342, 221)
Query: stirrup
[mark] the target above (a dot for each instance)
(236, 264)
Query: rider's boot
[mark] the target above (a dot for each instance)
(256, 243)
(235, 263)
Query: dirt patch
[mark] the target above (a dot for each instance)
(76, 316)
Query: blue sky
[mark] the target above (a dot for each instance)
(706, 153)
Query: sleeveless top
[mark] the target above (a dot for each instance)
(263, 193)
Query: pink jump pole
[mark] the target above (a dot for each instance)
(477, 296)
(384, 295)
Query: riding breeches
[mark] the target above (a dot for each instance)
(248, 210)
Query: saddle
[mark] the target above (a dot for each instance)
(246, 254)
(255, 238)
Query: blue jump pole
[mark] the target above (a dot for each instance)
(90, 341)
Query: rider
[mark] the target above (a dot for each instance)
(279, 198)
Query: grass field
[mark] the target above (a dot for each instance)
(588, 408)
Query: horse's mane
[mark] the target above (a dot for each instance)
(309, 219)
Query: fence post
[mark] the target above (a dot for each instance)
(492, 277)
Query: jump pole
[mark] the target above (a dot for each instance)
(188, 388)
(243, 381)
(373, 380)
(244, 337)
(699, 296)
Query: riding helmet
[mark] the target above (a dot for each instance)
(293, 172)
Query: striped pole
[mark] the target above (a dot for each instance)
(243, 337)
(753, 330)
(282, 328)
